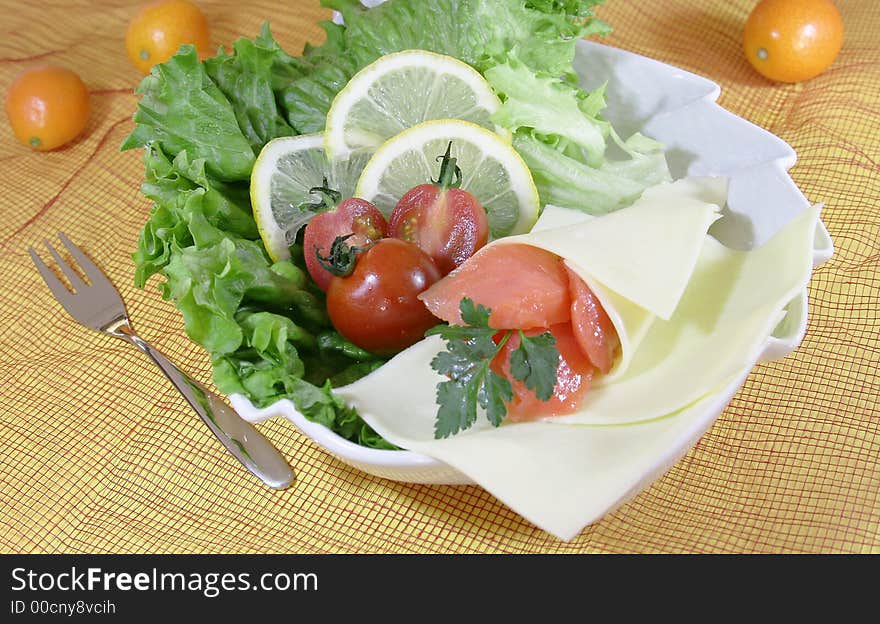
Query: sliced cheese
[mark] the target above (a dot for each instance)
(553, 217)
(562, 478)
(562, 472)
(733, 303)
(637, 260)
(559, 477)
(645, 252)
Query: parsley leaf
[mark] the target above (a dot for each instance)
(535, 362)
(466, 363)
(456, 412)
(470, 349)
(495, 391)
(474, 315)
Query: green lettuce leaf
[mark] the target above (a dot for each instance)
(267, 365)
(267, 359)
(479, 32)
(571, 183)
(212, 279)
(561, 135)
(225, 288)
(475, 31)
(306, 100)
(321, 405)
(549, 106)
(247, 78)
(183, 110)
(181, 189)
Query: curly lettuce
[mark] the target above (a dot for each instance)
(478, 32)
(182, 109)
(561, 135)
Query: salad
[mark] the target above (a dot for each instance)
(285, 186)
(425, 229)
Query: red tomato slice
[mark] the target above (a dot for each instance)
(592, 328)
(524, 286)
(448, 224)
(352, 216)
(573, 377)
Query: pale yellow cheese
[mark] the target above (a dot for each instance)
(562, 472)
(645, 252)
(734, 301)
(638, 260)
(564, 477)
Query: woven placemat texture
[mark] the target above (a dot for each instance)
(100, 454)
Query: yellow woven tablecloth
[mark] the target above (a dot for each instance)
(98, 453)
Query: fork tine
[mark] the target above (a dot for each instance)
(75, 280)
(88, 267)
(55, 285)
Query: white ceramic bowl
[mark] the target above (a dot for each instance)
(679, 109)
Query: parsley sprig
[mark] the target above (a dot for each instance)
(470, 349)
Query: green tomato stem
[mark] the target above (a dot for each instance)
(328, 199)
(450, 172)
(342, 258)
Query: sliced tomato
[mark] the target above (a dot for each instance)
(352, 216)
(593, 329)
(449, 225)
(524, 286)
(572, 377)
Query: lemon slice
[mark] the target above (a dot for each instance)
(403, 89)
(283, 173)
(492, 171)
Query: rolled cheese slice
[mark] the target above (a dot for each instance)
(639, 260)
(692, 316)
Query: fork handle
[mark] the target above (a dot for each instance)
(240, 437)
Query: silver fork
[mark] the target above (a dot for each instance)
(98, 306)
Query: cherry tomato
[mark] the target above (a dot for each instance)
(793, 40)
(159, 29)
(352, 216)
(377, 307)
(593, 329)
(572, 377)
(47, 107)
(449, 224)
